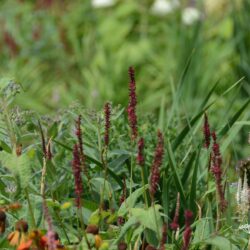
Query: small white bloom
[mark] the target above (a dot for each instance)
(238, 194)
(245, 192)
(102, 3)
(163, 7)
(10, 188)
(190, 15)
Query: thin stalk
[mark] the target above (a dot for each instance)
(43, 177)
(156, 223)
(83, 226)
(9, 126)
(218, 214)
(104, 162)
(144, 183)
(62, 226)
(30, 209)
(131, 174)
(131, 167)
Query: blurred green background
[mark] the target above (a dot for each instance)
(64, 51)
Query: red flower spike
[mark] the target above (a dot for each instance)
(164, 237)
(155, 169)
(77, 175)
(10, 43)
(140, 156)
(78, 133)
(217, 172)
(175, 224)
(132, 118)
(188, 231)
(107, 112)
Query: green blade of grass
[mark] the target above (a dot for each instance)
(188, 127)
(235, 117)
(173, 166)
(192, 197)
(209, 95)
(188, 167)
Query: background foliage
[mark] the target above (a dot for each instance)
(62, 53)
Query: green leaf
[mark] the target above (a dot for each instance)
(132, 221)
(149, 218)
(5, 147)
(231, 122)
(188, 127)
(187, 168)
(18, 165)
(193, 190)
(206, 99)
(221, 243)
(98, 186)
(202, 230)
(131, 200)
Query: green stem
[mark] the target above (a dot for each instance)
(131, 174)
(62, 226)
(144, 183)
(43, 177)
(105, 165)
(30, 208)
(83, 226)
(9, 125)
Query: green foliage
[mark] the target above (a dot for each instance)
(184, 170)
(18, 166)
(63, 53)
(73, 51)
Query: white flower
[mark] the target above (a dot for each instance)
(163, 7)
(238, 194)
(190, 15)
(102, 3)
(245, 192)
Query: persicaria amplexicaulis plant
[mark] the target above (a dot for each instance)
(217, 172)
(175, 223)
(76, 166)
(155, 168)
(163, 237)
(140, 154)
(132, 118)
(107, 113)
(188, 230)
(78, 133)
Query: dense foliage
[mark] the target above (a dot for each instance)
(117, 179)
